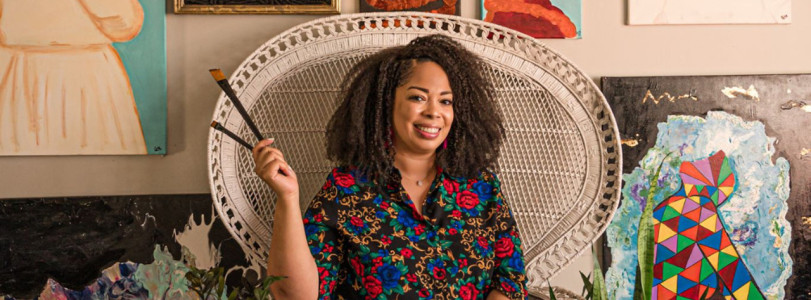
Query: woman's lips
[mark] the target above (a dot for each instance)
(425, 134)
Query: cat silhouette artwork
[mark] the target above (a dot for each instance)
(694, 255)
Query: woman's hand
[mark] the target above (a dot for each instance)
(274, 170)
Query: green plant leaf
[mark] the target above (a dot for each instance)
(645, 251)
(551, 292)
(645, 238)
(587, 286)
(638, 286)
(598, 288)
(220, 285)
(234, 294)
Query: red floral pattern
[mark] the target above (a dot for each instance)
(462, 245)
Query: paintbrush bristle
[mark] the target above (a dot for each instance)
(215, 124)
(217, 74)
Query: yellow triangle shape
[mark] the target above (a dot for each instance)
(713, 259)
(696, 199)
(742, 293)
(726, 190)
(665, 233)
(709, 223)
(730, 250)
(688, 188)
(671, 283)
(655, 221)
(678, 205)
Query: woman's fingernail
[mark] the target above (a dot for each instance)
(271, 140)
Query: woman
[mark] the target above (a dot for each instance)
(412, 212)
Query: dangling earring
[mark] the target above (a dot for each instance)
(445, 144)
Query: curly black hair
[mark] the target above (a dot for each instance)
(359, 132)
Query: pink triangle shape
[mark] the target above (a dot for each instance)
(689, 206)
(687, 179)
(695, 255)
(671, 243)
(703, 166)
(721, 197)
(705, 213)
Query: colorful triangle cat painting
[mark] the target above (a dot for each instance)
(682, 251)
(715, 172)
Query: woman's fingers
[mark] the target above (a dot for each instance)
(269, 151)
(267, 156)
(274, 168)
(269, 164)
(259, 146)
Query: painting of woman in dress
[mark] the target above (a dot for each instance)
(63, 87)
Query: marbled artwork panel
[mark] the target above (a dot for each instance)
(59, 245)
(759, 122)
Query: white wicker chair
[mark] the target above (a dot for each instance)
(560, 163)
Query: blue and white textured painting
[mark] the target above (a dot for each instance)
(755, 215)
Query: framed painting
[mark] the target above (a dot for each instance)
(448, 7)
(83, 77)
(304, 7)
(649, 12)
(559, 19)
(715, 200)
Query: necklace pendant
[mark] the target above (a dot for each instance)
(419, 182)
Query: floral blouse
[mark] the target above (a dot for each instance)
(463, 244)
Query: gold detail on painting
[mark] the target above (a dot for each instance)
(666, 96)
(181, 7)
(733, 92)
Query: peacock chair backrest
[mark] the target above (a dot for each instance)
(560, 162)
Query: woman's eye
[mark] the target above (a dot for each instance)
(447, 102)
(416, 98)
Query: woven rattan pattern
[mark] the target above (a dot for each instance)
(559, 165)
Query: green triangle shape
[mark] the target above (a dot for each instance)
(683, 242)
(724, 172)
(699, 188)
(706, 269)
(669, 270)
(724, 260)
(682, 298)
(714, 197)
(754, 294)
(669, 213)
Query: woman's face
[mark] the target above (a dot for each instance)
(423, 110)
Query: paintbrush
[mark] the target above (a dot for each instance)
(216, 125)
(223, 83)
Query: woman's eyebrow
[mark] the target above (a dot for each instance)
(424, 90)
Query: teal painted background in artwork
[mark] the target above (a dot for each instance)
(144, 58)
(572, 9)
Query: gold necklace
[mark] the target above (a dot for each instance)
(419, 182)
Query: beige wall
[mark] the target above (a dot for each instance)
(197, 43)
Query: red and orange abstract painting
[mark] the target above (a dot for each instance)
(537, 18)
(448, 7)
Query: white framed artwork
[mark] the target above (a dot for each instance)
(653, 12)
